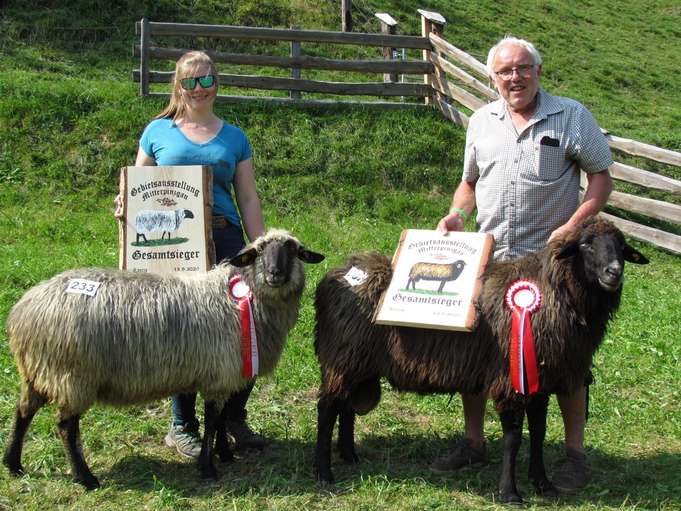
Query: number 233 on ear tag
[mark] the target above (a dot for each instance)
(523, 298)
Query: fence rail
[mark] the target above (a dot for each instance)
(282, 34)
(276, 83)
(301, 62)
(453, 81)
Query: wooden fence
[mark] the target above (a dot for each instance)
(295, 85)
(451, 79)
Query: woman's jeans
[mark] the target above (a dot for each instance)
(228, 242)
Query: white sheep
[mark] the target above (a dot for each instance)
(149, 220)
(142, 337)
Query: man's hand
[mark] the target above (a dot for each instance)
(451, 222)
(561, 231)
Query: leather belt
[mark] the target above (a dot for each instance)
(220, 222)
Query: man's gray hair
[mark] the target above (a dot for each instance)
(536, 56)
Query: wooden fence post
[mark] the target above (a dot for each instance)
(346, 15)
(144, 57)
(435, 23)
(295, 71)
(388, 26)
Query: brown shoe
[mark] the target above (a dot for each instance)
(572, 473)
(243, 437)
(463, 455)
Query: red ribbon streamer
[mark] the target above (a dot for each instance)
(247, 365)
(249, 342)
(522, 357)
(522, 342)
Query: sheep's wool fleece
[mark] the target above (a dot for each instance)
(143, 337)
(354, 352)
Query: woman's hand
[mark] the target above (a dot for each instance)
(118, 207)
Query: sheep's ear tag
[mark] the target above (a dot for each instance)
(238, 289)
(355, 276)
(523, 298)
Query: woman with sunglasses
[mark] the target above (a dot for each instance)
(187, 132)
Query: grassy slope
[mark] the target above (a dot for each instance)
(342, 180)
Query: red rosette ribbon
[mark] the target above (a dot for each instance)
(241, 293)
(523, 298)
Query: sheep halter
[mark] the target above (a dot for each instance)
(523, 298)
(241, 293)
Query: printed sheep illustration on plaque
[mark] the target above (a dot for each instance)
(435, 271)
(148, 221)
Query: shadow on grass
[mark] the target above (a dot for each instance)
(285, 468)
(648, 481)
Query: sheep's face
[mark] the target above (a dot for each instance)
(602, 253)
(277, 260)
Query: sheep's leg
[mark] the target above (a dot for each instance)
(346, 433)
(29, 404)
(536, 420)
(206, 466)
(327, 412)
(69, 431)
(442, 286)
(222, 447)
(512, 425)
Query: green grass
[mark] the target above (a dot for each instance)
(343, 180)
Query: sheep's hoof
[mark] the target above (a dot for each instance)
(324, 478)
(226, 456)
(546, 489)
(510, 498)
(349, 456)
(331, 489)
(89, 481)
(209, 472)
(15, 470)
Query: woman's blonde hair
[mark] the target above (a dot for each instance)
(186, 66)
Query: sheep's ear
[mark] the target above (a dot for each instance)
(634, 256)
(244, 258)
(568, 250)
(309, 256)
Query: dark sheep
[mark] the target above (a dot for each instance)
(580, 278)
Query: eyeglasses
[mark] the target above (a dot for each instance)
(205, 81)
(524, 70)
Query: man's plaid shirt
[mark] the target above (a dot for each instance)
(528, 182)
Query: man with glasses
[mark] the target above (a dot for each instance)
(521, 171)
